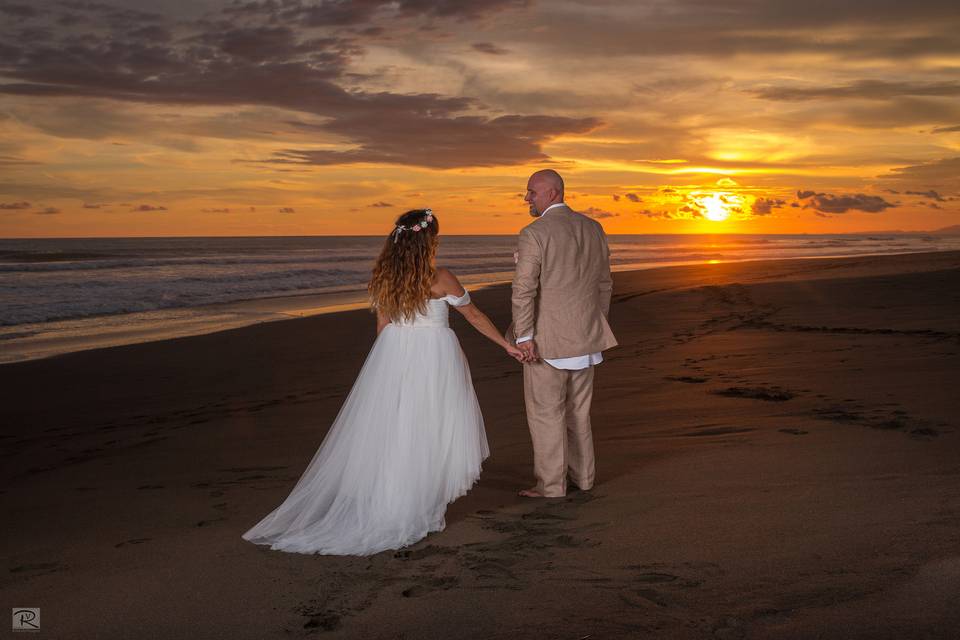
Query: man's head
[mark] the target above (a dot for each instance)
(544, 188)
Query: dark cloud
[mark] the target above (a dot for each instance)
(743, 27)
(10, 206)
(18, 10)
(92, 206)
(896, 112)
(663, 215)
(111, 13)
(864, 89)
(8, 52)
(765, 206)
(830, 203)
(149, 207)
(215, 210)
(616, 197)
(440, 142)
(598, 214)
(938, 173)
(380, 204)
(286, 210)
(70, 19)
(356, 12)
(632, 197)
(267, 43)
(946, 129)
(232, 65)
(152, 33)
(489, 47)
(48, 211)
(933, 195)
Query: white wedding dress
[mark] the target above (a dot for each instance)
(408, 440)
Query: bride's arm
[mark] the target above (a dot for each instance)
(472, 313)
(482, 323)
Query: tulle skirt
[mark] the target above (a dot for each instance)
(408, 440)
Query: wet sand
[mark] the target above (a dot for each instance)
(777, 452)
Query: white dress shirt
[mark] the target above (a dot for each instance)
(574, 362)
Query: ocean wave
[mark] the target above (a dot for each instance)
(141, 275)
(134, 263)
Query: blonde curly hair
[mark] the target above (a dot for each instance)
(405, 271)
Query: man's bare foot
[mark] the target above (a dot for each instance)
(531, 493)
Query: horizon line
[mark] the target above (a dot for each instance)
(472, 235)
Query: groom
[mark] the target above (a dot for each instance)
(561, 299)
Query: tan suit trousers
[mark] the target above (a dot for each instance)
(558, 414)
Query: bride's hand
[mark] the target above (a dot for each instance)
(514, 352)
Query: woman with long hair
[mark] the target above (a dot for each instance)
(409, 438)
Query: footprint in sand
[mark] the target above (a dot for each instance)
(426, 552)
(770, 394)
(249, 469)
(687, 379)
(132, 541)
(898, 420)
(205, 523)
(655, 577)
(643, 598)
(38, 568)
(430, 585)
(324, 620)
(717, 431)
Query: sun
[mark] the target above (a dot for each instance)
(715, 208)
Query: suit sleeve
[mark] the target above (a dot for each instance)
(526, 283)
(606, 279)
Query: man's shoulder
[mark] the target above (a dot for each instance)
(532, 229)
(586, 220)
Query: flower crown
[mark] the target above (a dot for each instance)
(417, 226)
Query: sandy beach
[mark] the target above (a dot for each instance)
(777, 457)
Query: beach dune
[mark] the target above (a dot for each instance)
(777, 457)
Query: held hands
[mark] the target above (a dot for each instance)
(529, 350)
(514, 352)
(523, 352)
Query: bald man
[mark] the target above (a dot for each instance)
(561, 300)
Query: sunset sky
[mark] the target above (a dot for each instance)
(298, 117)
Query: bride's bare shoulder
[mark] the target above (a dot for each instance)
(448, 283)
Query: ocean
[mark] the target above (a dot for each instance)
(61, 294)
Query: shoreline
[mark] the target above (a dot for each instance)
(114, 330)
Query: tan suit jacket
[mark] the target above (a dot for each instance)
(562, 285)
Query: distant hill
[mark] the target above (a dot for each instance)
(952, 230)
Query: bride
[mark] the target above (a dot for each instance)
(409, 438)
